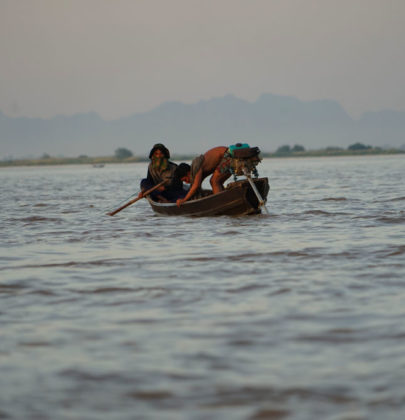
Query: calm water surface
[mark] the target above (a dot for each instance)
(296, 315)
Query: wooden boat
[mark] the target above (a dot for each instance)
(237, 199)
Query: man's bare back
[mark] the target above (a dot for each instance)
(212, 159)
(210, 165)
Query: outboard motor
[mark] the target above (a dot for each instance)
(244, 158)
(244, 162)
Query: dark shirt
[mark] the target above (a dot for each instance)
(154, 177)
(173, 190)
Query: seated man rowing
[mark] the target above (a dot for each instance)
(215, 161)
(161, 169)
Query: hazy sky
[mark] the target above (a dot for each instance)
(118, 57)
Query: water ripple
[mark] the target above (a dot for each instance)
(298, 315)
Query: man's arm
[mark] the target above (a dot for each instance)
(193, 189)
(152, 182)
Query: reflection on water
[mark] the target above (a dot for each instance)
(298, 315)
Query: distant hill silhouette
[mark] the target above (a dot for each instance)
(269, 122)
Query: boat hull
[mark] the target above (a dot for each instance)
(238, 199)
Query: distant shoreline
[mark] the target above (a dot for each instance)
(102, 160)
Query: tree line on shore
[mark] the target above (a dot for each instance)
(355, 148)
(123, 154)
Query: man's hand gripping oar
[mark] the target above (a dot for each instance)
(140, 195)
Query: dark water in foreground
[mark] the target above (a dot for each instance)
(299, 315)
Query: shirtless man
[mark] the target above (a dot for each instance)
(215, 161)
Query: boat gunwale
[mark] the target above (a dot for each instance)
(187, 203)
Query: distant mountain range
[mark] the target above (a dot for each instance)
(269, 122)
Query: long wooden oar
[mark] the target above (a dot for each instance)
(137, 198)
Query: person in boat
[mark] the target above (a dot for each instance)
(162, 169)
(216, 161)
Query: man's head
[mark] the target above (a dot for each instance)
(162, 148)
(159, 155)
(183, 173)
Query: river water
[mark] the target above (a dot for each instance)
(296, 315)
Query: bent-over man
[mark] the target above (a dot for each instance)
(215, 161)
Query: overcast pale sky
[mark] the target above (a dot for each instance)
(119, 57)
